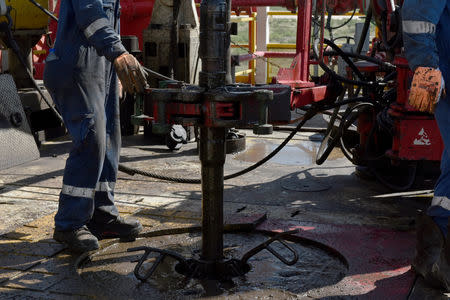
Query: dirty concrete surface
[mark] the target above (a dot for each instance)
(366, 223)
(315, 268)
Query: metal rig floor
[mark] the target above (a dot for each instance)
(370, 226)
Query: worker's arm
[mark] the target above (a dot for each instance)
(420, 18)
(93, 22)
(100, 33)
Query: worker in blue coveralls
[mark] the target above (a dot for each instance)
(80, 74)
(426, 37)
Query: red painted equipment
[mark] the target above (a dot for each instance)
(135, 16)
(413, 137)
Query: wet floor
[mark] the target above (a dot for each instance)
(111, 270)
(298, 153)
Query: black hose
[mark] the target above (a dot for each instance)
(16, 50)
(348, 38)
(374, 60)
(364, 31)
(334, 74)
(348, 122)
(411, 170)
(341, 52)
(309, 114)
(349, 19)
(329, 142)
(330, 126)
(46, 11)
(346, 54)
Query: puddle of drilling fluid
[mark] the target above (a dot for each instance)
(110, 271)
(303, 153)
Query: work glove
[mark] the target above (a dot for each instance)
(130, 73)
(426, 89)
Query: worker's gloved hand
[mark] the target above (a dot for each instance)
(130, 73)
(426, 89)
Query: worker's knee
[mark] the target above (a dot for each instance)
(90, 135)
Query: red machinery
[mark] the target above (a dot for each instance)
(391, 134)
(393, 139)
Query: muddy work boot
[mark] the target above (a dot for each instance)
(430, 241)
(78, 240)
(441, 268)
(125, 229)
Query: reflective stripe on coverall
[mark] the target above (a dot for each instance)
(426, 37)
(81, 79)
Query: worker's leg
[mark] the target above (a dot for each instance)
(79, 94)
(106, 221)
(432, 253)
(440, 206)
(105, 209)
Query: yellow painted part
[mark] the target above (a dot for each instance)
(245, 72)
(288, 13)
(39, 52)
(242, 79)
(281, 13)
(240, 46)
(252, 48)
(281, 46)
(377, 32)
(25, 15)
(242, 19)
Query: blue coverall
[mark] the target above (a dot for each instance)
(80, 77)
(426, 37)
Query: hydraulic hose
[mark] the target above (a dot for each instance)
(46, 11)
(364, 31)
(345, 56)
(330, 142)
(333, 73)
(13, 45)
(309, 114)
(383, 64)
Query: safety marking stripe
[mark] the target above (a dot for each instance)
(105, 186)
(95, 26)
(441, 201)
(77, 191)
(416, 27)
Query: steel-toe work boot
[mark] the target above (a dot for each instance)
(78, 240)
(125, 229)
(430, 241)
(441, 268)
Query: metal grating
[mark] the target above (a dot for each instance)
(17, 144)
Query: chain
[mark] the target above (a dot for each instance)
(258, 56)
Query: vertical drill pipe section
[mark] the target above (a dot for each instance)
(214, 44)
(215, 55)
(212, 156)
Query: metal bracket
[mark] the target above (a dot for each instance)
(162, 255)
(193, 268)
(266, 245)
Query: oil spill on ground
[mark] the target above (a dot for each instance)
(110, 271)
(303, 153)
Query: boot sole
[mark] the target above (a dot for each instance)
(77, 247)
(124, 237)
